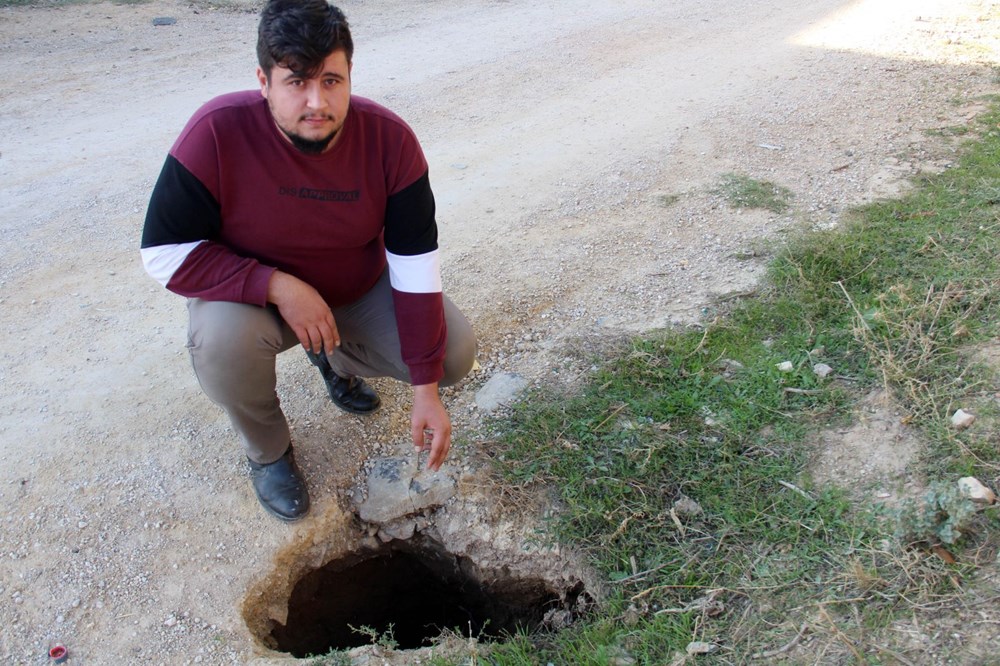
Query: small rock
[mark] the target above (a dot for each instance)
(701, 647)
(785, 366)
(962, 419)
(619, 656)
(976, 491)
(397, 530)
(822, 370)
(557, 618)
(729, 365)
(687, 507)
(621, 661)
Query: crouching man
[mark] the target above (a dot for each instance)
(297, 213)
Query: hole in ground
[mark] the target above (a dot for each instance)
(410, 591)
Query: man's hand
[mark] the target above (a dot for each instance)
(305, 311)
(430, 425)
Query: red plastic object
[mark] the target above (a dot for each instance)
(58, 654)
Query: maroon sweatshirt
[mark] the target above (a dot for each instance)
(235, 201)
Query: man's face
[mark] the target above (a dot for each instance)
(309, 112)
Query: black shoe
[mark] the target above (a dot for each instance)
(351, 394)
(281, 488)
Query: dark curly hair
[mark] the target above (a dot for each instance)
(300, 34)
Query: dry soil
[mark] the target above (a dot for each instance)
(574, 149)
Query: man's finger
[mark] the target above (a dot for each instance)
(332, 337)
(315, 341)
(439, 449)
(303, 335)
(420, 438)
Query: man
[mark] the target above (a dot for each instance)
(303, 214)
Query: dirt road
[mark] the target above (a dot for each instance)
(574, 146)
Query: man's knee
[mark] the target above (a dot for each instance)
(461, 352)
(228, 331)
(233, 348)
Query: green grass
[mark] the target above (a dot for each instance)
(898, 297)
(667, 200)
(741, 191)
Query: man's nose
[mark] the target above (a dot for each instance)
(314, 95)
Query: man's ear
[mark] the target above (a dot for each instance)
(262, 80)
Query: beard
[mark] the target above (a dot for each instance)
(308, 146)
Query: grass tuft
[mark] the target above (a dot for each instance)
(741, 191)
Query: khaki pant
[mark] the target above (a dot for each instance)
(233, 348)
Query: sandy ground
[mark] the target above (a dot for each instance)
(574, 145)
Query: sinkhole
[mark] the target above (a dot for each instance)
(411, 591)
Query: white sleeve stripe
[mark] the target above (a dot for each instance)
(418, 274)
(162, 261)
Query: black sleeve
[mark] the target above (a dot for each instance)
(181, 209)
(410, 227)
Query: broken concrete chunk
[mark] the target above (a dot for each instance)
(962, 419)
(388, 495)
(976, 491)
(396, 490)
(431, 489)
(397, 529)
(501, 389)
(393, 470)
